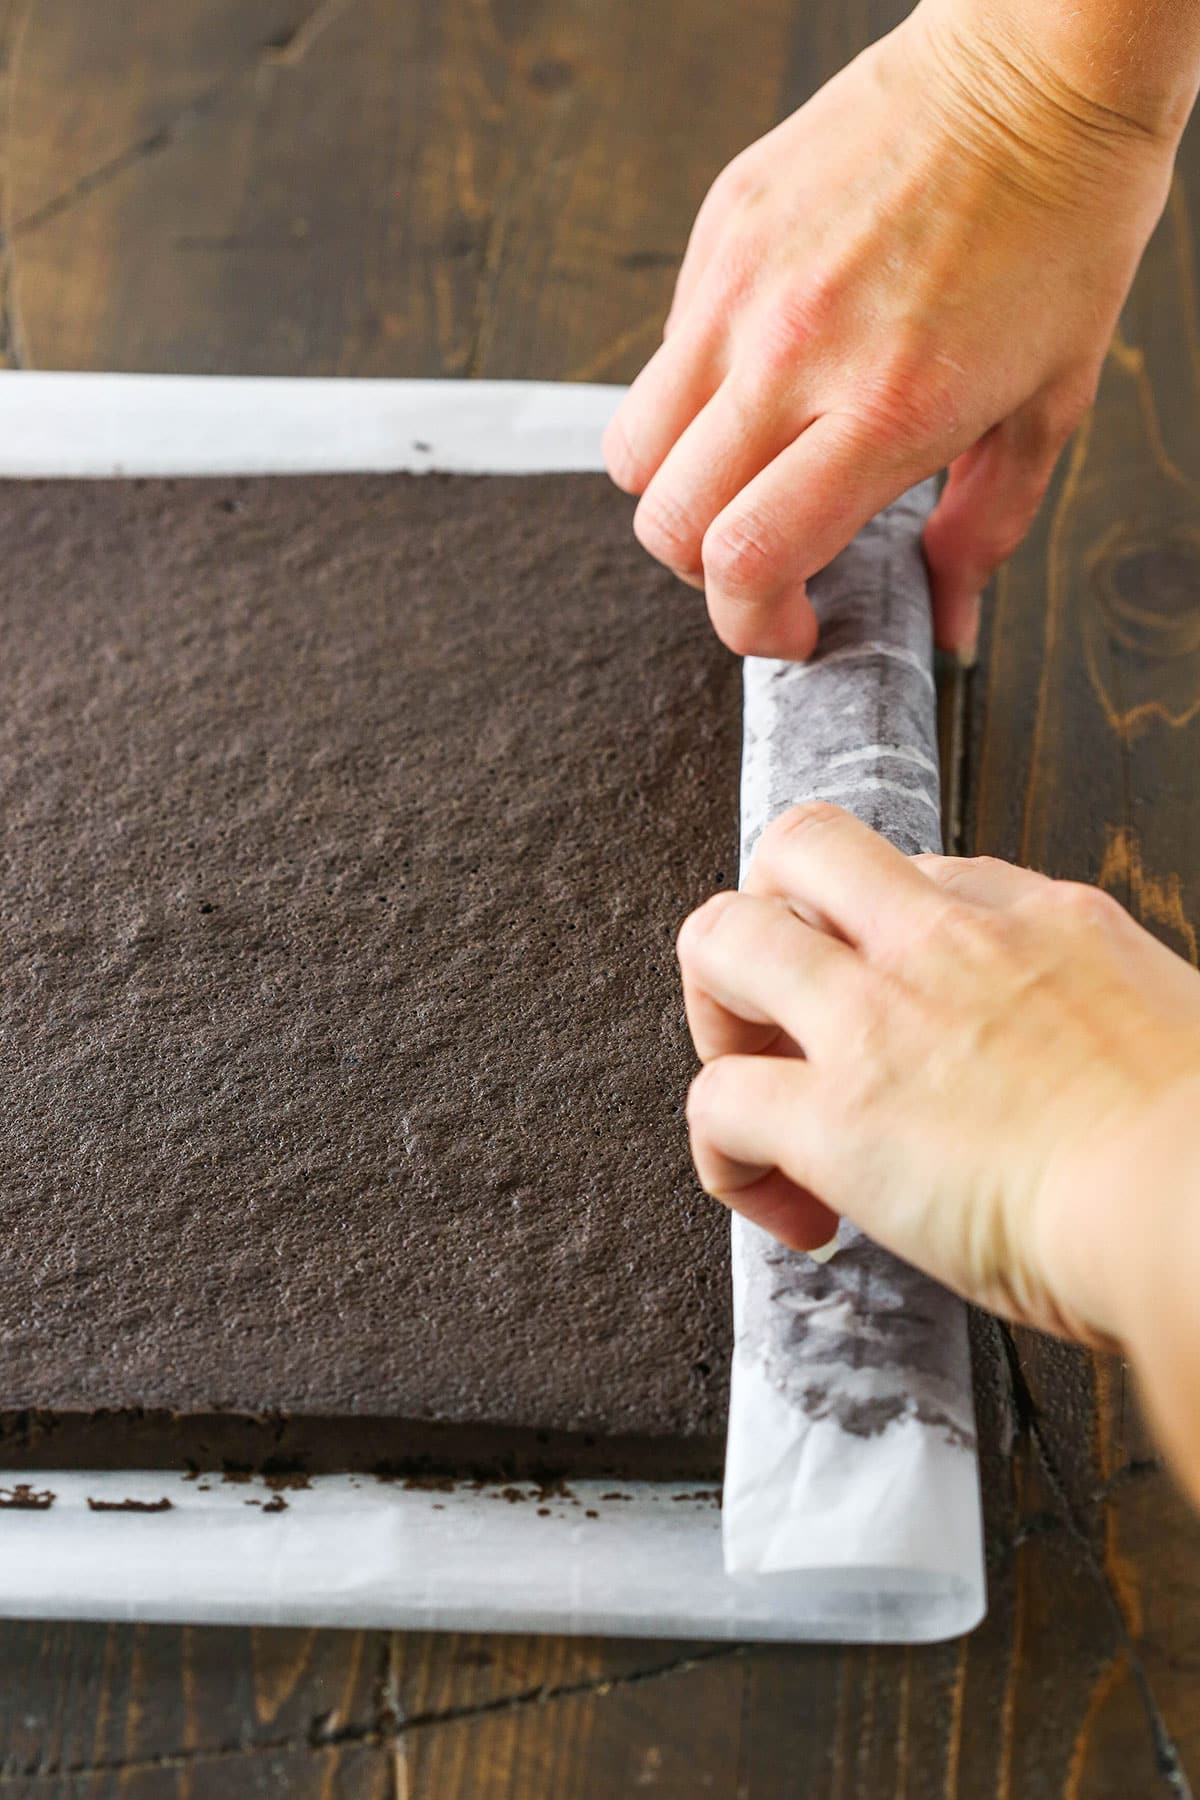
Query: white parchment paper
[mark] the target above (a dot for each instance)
(876, 1539)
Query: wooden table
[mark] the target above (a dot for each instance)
(491, 188)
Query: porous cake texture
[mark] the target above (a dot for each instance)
(347, 825)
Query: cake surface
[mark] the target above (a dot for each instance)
(348, 822)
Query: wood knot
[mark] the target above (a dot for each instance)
(1142, 630)
(1150, 592)
(550, 75)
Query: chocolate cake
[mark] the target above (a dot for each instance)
(347, 825)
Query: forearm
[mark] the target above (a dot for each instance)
(1167, 1361)
(1164, 1339)
(1137, 1241)
(1108, 63)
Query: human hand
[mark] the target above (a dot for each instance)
(1000, 1082)
(921, 267)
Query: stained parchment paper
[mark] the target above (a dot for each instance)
(868, 1534)
(852, 1411)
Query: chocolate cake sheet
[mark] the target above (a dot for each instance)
(348, 823)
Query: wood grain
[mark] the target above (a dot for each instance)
(411, 189)
(1086, 739)
(504, 187)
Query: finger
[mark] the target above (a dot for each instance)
(701, 244)
(718, 1031)
(746, 1116)
(715, 1029)
(785, 525)
(982, 880)
(679, 380)
(987, 506)
(750, 962)
(737, 434)
(843, 877)
(784, 1209)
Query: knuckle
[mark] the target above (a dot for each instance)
(729, 281)
(687, 938)
(797, 827)
(1087, 906)
(792, 320)
(1067, 403)
(994, 540)
(705, 1092)
(700, 923)
(799, 823)
(739, 184)
(951, 873)
(739, 557)
(945, 873)
(890, 401)
(911, 397)
(664, 527)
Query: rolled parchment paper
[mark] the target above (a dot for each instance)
(851, 1431)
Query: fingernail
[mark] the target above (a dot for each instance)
(968, 649)
(824, 1252)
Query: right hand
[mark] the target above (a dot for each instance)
(921, 267)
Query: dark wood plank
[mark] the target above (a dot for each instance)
(86, 108)
(114, 1710)
(484, 187)
(13, 19)
(412, 189)
(98, 1708)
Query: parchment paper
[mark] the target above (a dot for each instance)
(852, 1411)
(849, 1549)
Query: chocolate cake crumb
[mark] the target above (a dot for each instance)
(24, 1498)
(129, 1506)
(428, 1484)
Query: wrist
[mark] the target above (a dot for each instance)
(1116, 1215)
(1156, 1284)
(1098, 72)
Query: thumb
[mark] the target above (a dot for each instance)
(987, 505)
